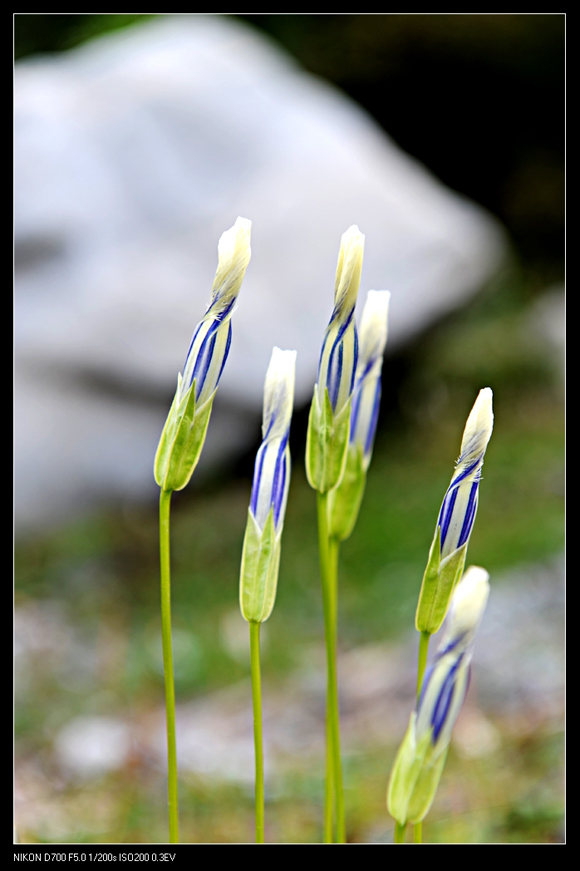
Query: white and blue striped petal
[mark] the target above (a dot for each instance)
(367, 389)
(339, 353)
(459, 506)
(446, 680)
(184, 432)
(272, 467)
(261, 549)
(456, 518)
(329, 421)
(210, 344)
(421, 756)
(344, 501)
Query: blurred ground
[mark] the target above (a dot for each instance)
(88, 677)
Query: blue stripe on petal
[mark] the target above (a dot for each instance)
(203, 362)
(446, 513)
(374, 419)
(469, 514)
(444, 699)
(334, 370)
(335, 374)
(193, 338)
(278, 487)
(257, 478)
(354, 359)
(356, 402)
(226, 352)
(465, 473)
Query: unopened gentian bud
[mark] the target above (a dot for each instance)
(456, 517)
(421, 757)
(261, 549)
(329, 422)
(345, 500)
(184, 432)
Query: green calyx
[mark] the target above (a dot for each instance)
(259, 569)
(326, 443)
(415, 777)
(345, 500)
(439, 581)
(182, 440)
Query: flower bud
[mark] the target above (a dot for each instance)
(329, 422)
(261, 550)
(345, 500)
(184, 432)
(421, 756)
(456, 518)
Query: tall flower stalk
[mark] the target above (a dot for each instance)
(454, 525)
(345, 499)
(452, 532)
(182, 441)
(421, 757)
(261, 549)
(326, 456)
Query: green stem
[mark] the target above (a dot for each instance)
(328, 570)
(164, 553)
(424, 639)
(400, 833)
(329, 781)
(258, 747)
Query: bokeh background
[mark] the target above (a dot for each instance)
(479, 101)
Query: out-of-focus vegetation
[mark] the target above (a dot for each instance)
(95, 584)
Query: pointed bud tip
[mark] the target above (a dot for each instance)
(281, 367)
(373, 325)
(239, 234)
(348, 270)
(352, 236)
(282, 360)
(279, 390)
(479, 425)
(481, 415)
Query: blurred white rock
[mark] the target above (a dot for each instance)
(87, 747)
(133, 153)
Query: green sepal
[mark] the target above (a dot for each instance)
(259, 569)
(326, 443)
(345, 500)
(182, 440)
(405, 772)
(165, 441)
(415, 777)
(439, 581)
(426, 785)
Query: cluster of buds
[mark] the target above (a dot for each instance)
(261, 550)
(456, 517)
(345, 500)
(421, 756)
(184, 432)
(329, 422)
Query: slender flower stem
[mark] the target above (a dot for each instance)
(164, 510)
(328, 569)
(258, 746)
(424, 639)
(400, 833)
